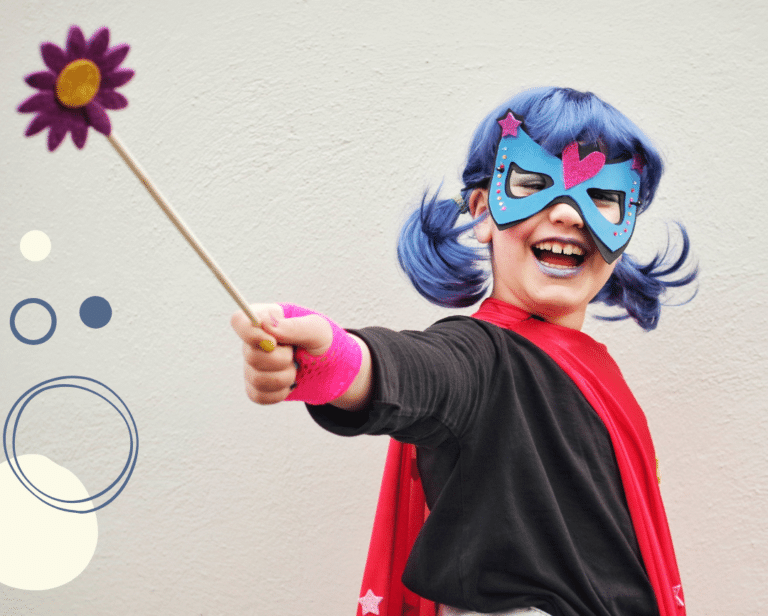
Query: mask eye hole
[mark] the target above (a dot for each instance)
(522, 183)
(610, 203)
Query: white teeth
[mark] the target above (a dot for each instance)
(559, 248)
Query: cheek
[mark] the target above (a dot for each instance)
(602, 271)
(510, 248)
(515, 237)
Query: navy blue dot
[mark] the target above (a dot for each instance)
(95, 312)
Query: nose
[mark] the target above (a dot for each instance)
(564, 213)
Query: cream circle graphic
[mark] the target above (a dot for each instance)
(35, 245)
(43, 547)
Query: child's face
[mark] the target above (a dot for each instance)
(547, 264)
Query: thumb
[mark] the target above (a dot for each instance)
(311, 332)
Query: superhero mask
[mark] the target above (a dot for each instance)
(581, 177)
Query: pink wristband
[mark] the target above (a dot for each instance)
(323, 378)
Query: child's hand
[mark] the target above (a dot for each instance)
(270, 374)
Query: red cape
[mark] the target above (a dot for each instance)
(401, 510)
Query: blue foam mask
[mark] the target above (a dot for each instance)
(568, 178)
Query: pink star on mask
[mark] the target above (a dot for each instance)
(509, 125)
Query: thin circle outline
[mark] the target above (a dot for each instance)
(44, 304)
(132, 458)
(13, 444)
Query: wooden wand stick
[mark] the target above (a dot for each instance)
(181, 226)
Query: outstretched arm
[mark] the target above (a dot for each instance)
(270, 375)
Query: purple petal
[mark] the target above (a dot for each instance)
(64, 115)
(97, 44)
(98, 118)
(113, 58)
(37, 124)
(42, 101)
(110, 99)
(72, 118)
(56, 136)
(43, 80)
(76, 42)
(79, 135)
(53, 56)
(117, 78)
(78, 117)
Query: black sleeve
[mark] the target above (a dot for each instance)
(427, 385)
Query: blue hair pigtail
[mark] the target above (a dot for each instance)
(442, 269)
(638, 288)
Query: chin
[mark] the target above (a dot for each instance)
(559, 298)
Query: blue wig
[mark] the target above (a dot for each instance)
(450, 274)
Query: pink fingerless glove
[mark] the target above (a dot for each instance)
(323, 378)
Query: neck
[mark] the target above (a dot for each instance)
(551, 314)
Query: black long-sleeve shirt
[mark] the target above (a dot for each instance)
(526, 502)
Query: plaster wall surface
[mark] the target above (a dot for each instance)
(294, 137)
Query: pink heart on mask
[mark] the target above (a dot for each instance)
(576, 171)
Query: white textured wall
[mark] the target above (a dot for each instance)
(292, 136)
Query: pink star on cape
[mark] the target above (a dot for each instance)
(370, 603)
(678, 590)
(509, 125)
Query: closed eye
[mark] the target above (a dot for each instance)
(609, 203)
(521, 183)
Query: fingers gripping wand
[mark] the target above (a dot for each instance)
(74, 94)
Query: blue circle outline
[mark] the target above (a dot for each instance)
(13, 444)
(19, 306)
(34, 490)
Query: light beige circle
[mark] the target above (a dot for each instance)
(42, 547)
(35, 245)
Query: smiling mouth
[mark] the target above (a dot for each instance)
(560, 255)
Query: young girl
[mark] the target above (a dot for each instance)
(532, 454)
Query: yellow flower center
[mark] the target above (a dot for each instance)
(78, 83)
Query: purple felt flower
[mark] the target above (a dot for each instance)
(78, 87)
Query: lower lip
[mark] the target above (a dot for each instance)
(558, 272)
